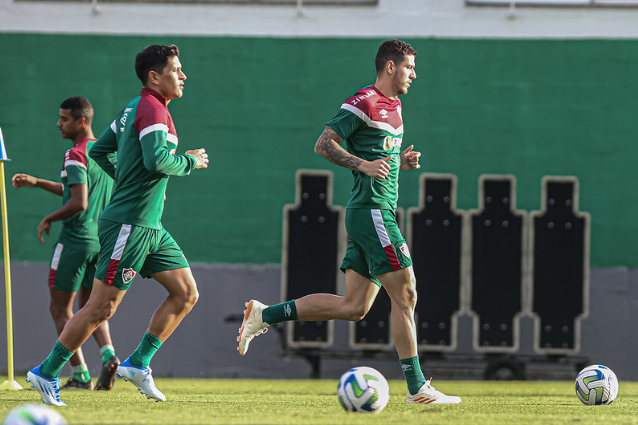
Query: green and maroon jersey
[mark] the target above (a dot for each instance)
(80, 231)
(144, 137)
(372, 126)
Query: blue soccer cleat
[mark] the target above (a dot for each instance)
(140, 377)
(49, 388)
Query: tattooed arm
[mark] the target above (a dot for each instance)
(328, 147)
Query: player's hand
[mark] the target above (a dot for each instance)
(201, 157)
(410, 159)
(23, 180)
(377, 169)
(44, 226)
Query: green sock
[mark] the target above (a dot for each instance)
(53, 364)
(413, 375)
(282, 312)
(81, 373)
(107, 351)
(145, 351)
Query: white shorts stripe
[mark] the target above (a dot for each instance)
(377, 219)
(118, 250)
(56, 256)
(152, 128)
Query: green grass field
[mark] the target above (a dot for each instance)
(306, 402)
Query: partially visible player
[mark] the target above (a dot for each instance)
(132, 238)
(372, 125)
(85, 190)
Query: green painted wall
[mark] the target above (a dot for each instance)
(523, 107)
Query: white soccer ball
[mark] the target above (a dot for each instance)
(363, 389)
(596, 384)
(34, 414)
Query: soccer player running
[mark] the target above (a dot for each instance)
(85, 190)
(377, 256)
(132, 238)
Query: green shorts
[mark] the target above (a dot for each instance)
(71, 268)
(127, 250)
(376, 245)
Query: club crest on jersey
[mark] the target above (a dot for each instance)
(389, 142)
(128, 275)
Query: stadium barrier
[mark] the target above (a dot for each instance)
(495, 265)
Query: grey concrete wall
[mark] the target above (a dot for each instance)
(204, 345)
(418, 18)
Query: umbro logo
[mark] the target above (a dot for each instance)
(287, 310)
(406, 367)
(384, 113)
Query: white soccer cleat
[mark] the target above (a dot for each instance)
(140, 377)
(429, 395)
(49, 388)
(252, 325)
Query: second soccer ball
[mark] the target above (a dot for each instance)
(363, 389)
(596, 384)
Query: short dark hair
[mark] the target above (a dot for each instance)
(80, 107)
(392, 50)
(153, 58)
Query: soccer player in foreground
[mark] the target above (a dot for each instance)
(85, 190)
(377, 256)
(132, 238)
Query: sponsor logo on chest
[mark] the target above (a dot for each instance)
(390, 142)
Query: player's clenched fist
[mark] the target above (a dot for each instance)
(377, 169)
(23, 180)
(410, 159)
(201, 157)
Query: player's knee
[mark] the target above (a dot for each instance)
(411, 296)
(104, 312)
(59, 314)
(191, 299)
(406, 303)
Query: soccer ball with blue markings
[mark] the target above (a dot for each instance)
(596, 384)
(363, 389)
(33, 414)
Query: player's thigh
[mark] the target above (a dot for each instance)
(360, 290)
(179, 283)
(61, 301)
(70, 268)
(168, 265)
(400, 285)
(379, 240)
(104, 298)
(123, 251)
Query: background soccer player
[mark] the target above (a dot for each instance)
(371, 124)
(85, 191)
(132, 237)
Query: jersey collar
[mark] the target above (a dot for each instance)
(146, 91)
(84, 141)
